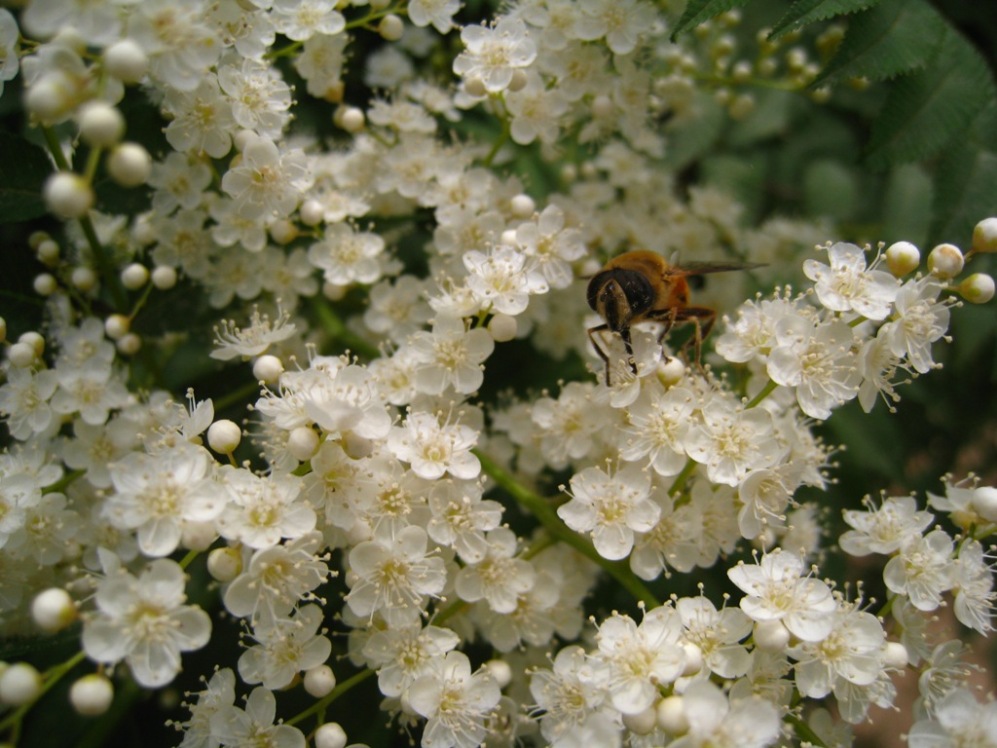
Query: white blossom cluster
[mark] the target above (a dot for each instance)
(366, 500)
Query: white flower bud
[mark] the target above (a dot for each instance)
(164, 277)
(311, 212)
(268, 369)
(985, 235)
(53, 609)
(224, 564)
(352, 119)
(129, 164)
(45, 284)
(224, 436)
(693, 659)
(35, 340)
(643, 722)
(508, 236)
(671, 715)
(48, 252)
(475, 87)
(391, 28)
(518, 81)
(522, 205)
(501, 671)
(91, 695)
(126, 61)
(101, 124)
(83, 278)
(330, 735)
(283, 231)
(319, 681)
(116, 326)
(895, 655)
(198, 536)
(977, 288)
(134, 276)
(902, 258)
(21, 355)
(302, 443)
(945, 261)
(243, 138)
(129, 344)
(671, 370)
(771, 635)
(51, 97)
(602, 106)
(502, 328)
(984, 501)
(67, 195)
(20, 684)
(333, 291)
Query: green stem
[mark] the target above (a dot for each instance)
(767, 390)
(500, 141)
(680, 480)
(56, 673)
(804, 732)
(547, 516)
(319, 706)
(337, 330)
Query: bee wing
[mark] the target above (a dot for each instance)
(721, 266)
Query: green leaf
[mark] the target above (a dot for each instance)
(907, 205)
(698, 11)
(830, 190)
(805, 12)
(965, 193)
(23, 170)
(893, 37)
(927, 109)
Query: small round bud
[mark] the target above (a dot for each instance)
(53, 609)
(67, 195)
(671, 370)
(198, 536)
(693, 659)
(902, 258)
(302, 443)
(35, 238)
(21, 355)
(164, 277)
(641, 723)
(50, 98)
(319, 681)
(126, 61)
(330, 735)
(128, 344)
(502, 328)
(35, 340)
(224, 564)
(895, 655)
(352, 119)
(284, 231)
(224, 436)
(91, 695)
(116, 326)
(475, 87)
(83, 278)
(48, 252)
(522, 205)
(20, 684)
(129, 164)
(771, 635)
(984, 501)
(508, 236)
(985, 235)
(602, 106)
(671, 715)
(243, 138)
(333, 291)
(501, 671)
(101, 124)
(978, 288)
(311, 212)
(946, 261)
(518, 81)
(45, 284)
(391, 28)
(268, 369)
(134, 276)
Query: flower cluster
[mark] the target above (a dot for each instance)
(387, 517)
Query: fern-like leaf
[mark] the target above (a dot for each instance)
(698, 11)
(806, 12)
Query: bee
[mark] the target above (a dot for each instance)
(642, 286)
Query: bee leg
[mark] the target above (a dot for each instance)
(625, 334)
(702, 318)
(598, 346)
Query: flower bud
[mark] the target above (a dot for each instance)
(771, 636)
(35, 340)
(67, 195)
(116, 326)
(302, 443)
(945, 261)
(330, 735)
(224, 436)
(268, 369)
(984, 501)
(129, 164)
(895, 655)
(311, 212)
(224, 564)
(126, 61)
(641, 723)
(164, 277)
(902, 258)
(20, 684)
(91, 695)
(21, 355)
(134, 276)
(475, 87)
(985, 235)
(45, 284)
(502, 328)
(129, 344)
(671, 715)
(53, 609)
(48, 251)
(500, 671)
(978, 288)
(391, 28)
(522, 205)
(101, 124)
(319, 681)
(83, 278)
(351, 119)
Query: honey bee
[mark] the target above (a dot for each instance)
(642, 286)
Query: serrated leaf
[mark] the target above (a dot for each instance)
(698, 11)
(805, 12)
(895, 36)
(926, 109)
(965, 192)
(23, 170)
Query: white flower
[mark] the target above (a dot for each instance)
(499, 577)
(847, 285)
(344, 401)
(922, 570)
(92, 391)
(202, 120)
(732, 442)
(621, 22)
(180, 45)
(266, 182)
(234, 727)
(775, 591)
(262, 511)
(658, 421)
(958, 720)
(286, 647)
(432, 448)
(302, 19)
(885, 530)
(498, 279)
(611, 508)
(180, 181)
(718, 721)
(346, 256)
(144, 622)
(454, 702)
(24, 401)
(754, 333)
(219, 693)
(493, 54)
(9, 34)
(878, 364)
(439, 13)
(460, 518)
(920, 320)
(397, 308)
(536, 112)
(260, 97)
(553, 247)
(98, 24)
(450, 356)
(568, 425)
(974, 582)
(716, 633)
(253, 339)
(403, 653)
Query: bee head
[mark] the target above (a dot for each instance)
(619, 296)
